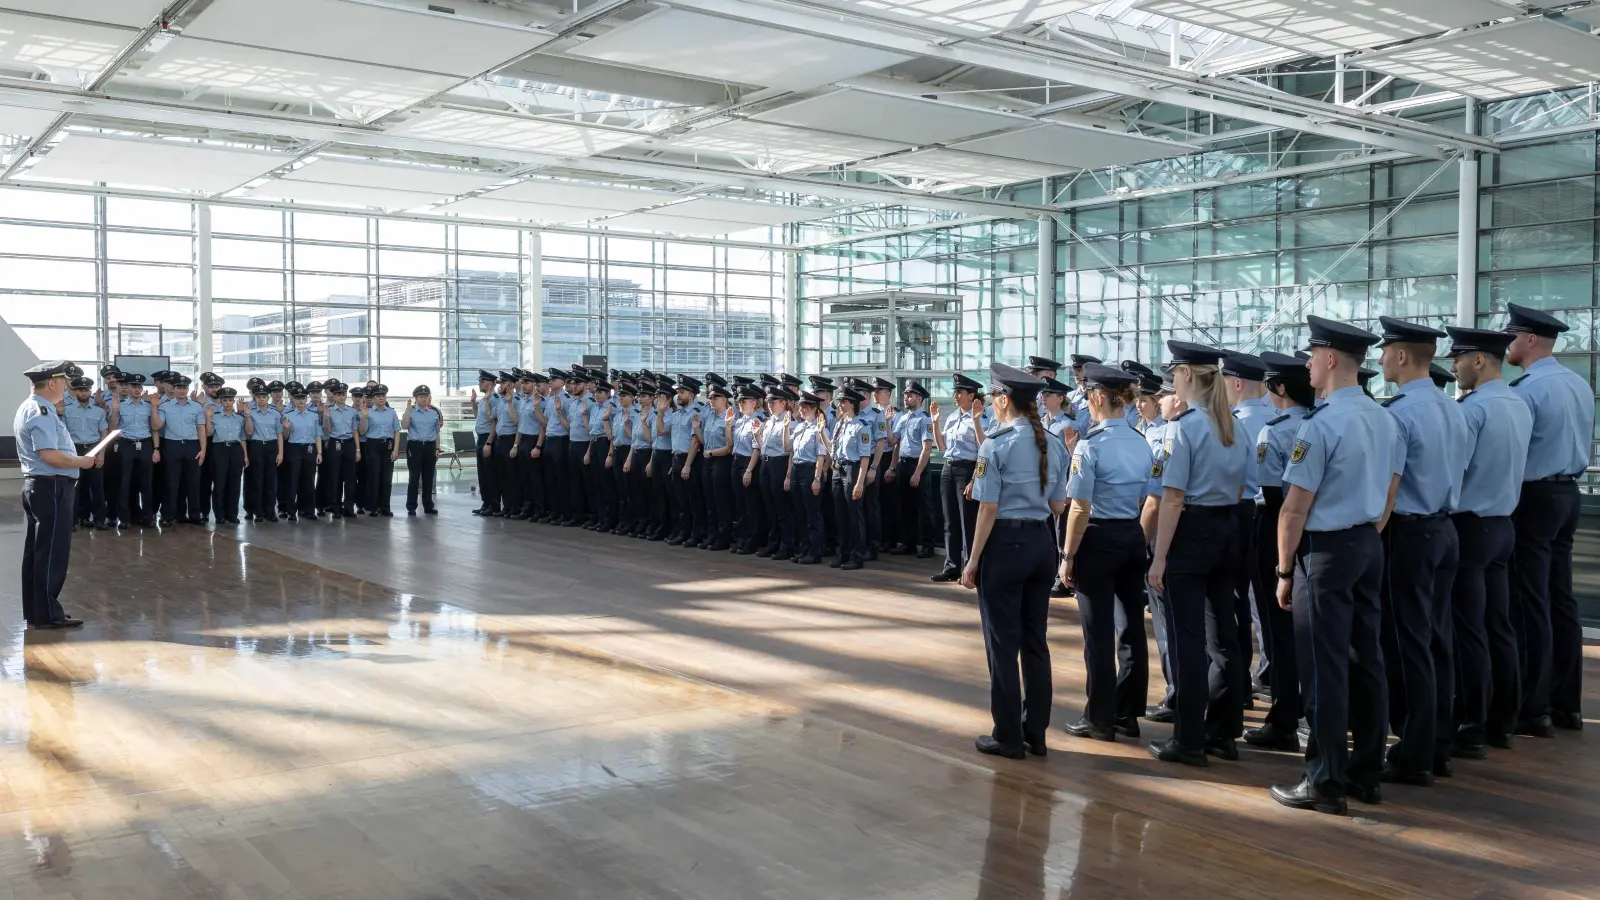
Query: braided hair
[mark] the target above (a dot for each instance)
(1029, 409)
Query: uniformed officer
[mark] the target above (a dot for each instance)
(718, 467)
(639, 487)
(1243, 374)
(50, 468)
(1077, 405)
(1342, 469)
(1442, 377)
(1498, 425)
(360, 401)
(556, 447)
(783, 506)
(1053, 413)
(663, 506)
(229, 430)
(1288, 383)
(875, 419)
(1550, 637)
(341, 453)
(851, 450)
(916, 492)
(1420, 557)
(423, 425)
(525, 452)
(264, 451)
(483, 429)
(683, 423)
(380, 425)
(87, 423)
(1103, 556)
(111, 387)
(957, 438)
(1202, 479)
(302, 430)
(135, 454)
(1018, 484)
(184, 426)
(752, 529)
(580, 419)
(1155, 437)
(210, 384)
(806, 445)
(619, 430)
(884, 535)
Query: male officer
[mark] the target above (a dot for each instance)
(341, 454)
(1550, 636)
(87, 423)
(883, 504)
(264, 453)
(483, 427)
(525, 465)
(302, 431)
(1242, 376)
(380, 425)
(916, 494)
(1420, 557)
(876, 423)
(503, 414)
(1078, 400)
(1498, 423)
(580, 416)
(50, 468)
(423, 425)
(555, 447)
(210, 384)
(683, 423)
(229, 431)
(1339, 487)
(185, 428)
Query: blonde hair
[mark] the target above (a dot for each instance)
(1118, 398)
(1208, 379)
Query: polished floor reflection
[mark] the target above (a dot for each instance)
(452, 708)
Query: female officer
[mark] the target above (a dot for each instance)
(1109, 473)
(852, 447)
(1058, 421)
(746, 462)
(806, 445)
(1168, 405)
(776, 434)
(957, 439)
(1018, 484)
(1202, 479)
(659, 470)
(229, 428)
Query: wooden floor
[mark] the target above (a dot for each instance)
(455, 708)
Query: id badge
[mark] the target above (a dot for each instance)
(138, 445)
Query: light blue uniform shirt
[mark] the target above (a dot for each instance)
(302, 425)
(713, 431)
(484, 422)
(181, 420)
(555, 406)
(1432, 448)
(960, 437)
(225, 427)
(744, 434)
(1110, 468)
(911, 430)
(1007, 474)
(660, 429)
(809, 441)
(84, 421)
(1060, 424)
(581, 415)
(852, 440)
(500, 415)
(265, 424)
(599, 415)
(133, 417)
(681, 421)
(527, 423)
(831, 415)
(1249, 418)
(1498, 425)
(1155, 437)
(1273, 446)
(37, 427)
(621, 424)
(425, 424)
(382, 424)
(772, 435)
(877, 422)
(1563, 419)
(1208, 473)
(342, 421)
(1345, 453)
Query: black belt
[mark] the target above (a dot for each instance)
(1555, 478)
(374, 440)
(270, 440)
(182, 441)
(128, 440)
(79, 448)
(51, 477)
(1415, 517)
(1099, 521)
(1041, 524)
(225, 443)
(776, 456)
(1196, 507)
(421, 441)
(969, 463)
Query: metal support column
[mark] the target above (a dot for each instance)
(202, 286)
(1467, 231)
(533, 303)
(790, 355)
(1045, 290)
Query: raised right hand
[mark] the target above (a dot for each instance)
(933, 409)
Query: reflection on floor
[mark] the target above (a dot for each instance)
(454, 708)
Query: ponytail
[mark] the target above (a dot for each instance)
(1029, 409)
(1209, 380)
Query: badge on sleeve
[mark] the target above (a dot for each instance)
(1261, 453)
(1074, 464)
(1299, 453)
(1167, 447)
(983, 464)
(1155, 470)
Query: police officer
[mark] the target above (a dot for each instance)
(663, 503)
(602, 499)
(1341, 470)
(807, 479)
(1288, 384)
(275, 399)
(1202, 479)
(1243, 374)
(229, 430)
(135, 454)
(638, 459)
(1018, 484)
(683, 423)
(619, 430)
(957, 439)
(852, 448)
(914, 490)
(302, 430)
(580, 410)
(1549, 634)
(87, 423)
(525, 451)
(483, 429)
(423, 424)
(875, 418)
(1442, 378)
(380, 425)
(753, 515)
(264, 454)
(1103, 556)
(50, 468)
(718, 467)
(184, 426)
(1155, 437)
(1420, 557)
(341, 453)
(1498, 425)
(1077, 404)
(783, 506)
(210, 385)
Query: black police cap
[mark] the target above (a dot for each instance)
(778, 392)
(1243, 365)
(1054, 386)
(1150, 385)
(136, 378)
(298, 393)
(258, 390)
(556, 373)
(274, 386)
(422, 390)
(295, 386)
(1134, 367)
(860, 385)
(821, 383)
(485, 375)
(211, 379)
(1013, 382)
(1440, 375)
(767, 379)
(626, 387)
(182, 381)
(854, 396)
(808, 397)
(47, 370)
(750, 392)
(81, 383)
(317, 386)
(1042, 362)
(1533, 321)
(73, 370)
(109, 371)
(719, 390)
(714, 378)
(1096, 375)
(536, 378)
(1339, 336)
(788, 380)
(1079, 360)
(882, 384)
(1397, 331)
(227, 393)
(1187, 353)
(1281, 365)
(963, 383)
(740, 381)
(915, 387)
(1365, 375)
(1478, 340)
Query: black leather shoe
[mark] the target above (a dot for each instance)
(1035, 748)
(1304, 796)
(1500, 740)
(1223, 748)
(675, 542)
(62, 623)
(1392, 775)
(1086, 729)
(1463, 750)
(411, 512)
(988, 745)
(270, 519)
(1371, 794)
(1537, 726)
(1128, 728)
(807, 560)
(945, 577)
(850, 566)
(1444, 768)
(1158, 713)
(1172, 751)
(837, 563)
(900, 550)
(1567, 721)
(387, 514)
(783, 555)
(1271, 737)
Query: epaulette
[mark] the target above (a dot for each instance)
(1390, 400)
(1095, 430)
(1282, 418)
(1182, 414)
(1520, 379)
(1463, 397)
(44, 409)
(1238, 414)
(1003, 429)
(1313, 411)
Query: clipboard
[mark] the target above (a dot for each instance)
(105, 442)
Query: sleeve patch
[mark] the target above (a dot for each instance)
(1261, 453)
(1299, 453)
(1074, 464)
(983, 465)
(1155, 470)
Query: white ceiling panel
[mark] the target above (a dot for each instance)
(691, 43)
(417, 179)
(137, 13)
(342, 195)
(650, 221)
(891, 117)
(410, 39)
(780, 148)
(1327, 27)
(487, 208)
(1074, 146)
(977, 15)
(161, 164)
(491, 130)
(953, 169)
(57, 44)
(1524, 57)
(594, 197)
(753, 214)
(24, 122)
(360, 89)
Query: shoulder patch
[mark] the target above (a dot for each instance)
(1519, 379)
(1393, 399)
(1182, 414)
(1004, 429)
(1155, 469)
(1283, 418)
(1261, 453)
(1074, 469)
(1299, 452)
(983, 466)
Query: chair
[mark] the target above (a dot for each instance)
(462, 442)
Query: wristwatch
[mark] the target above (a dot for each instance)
(1284, 576)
